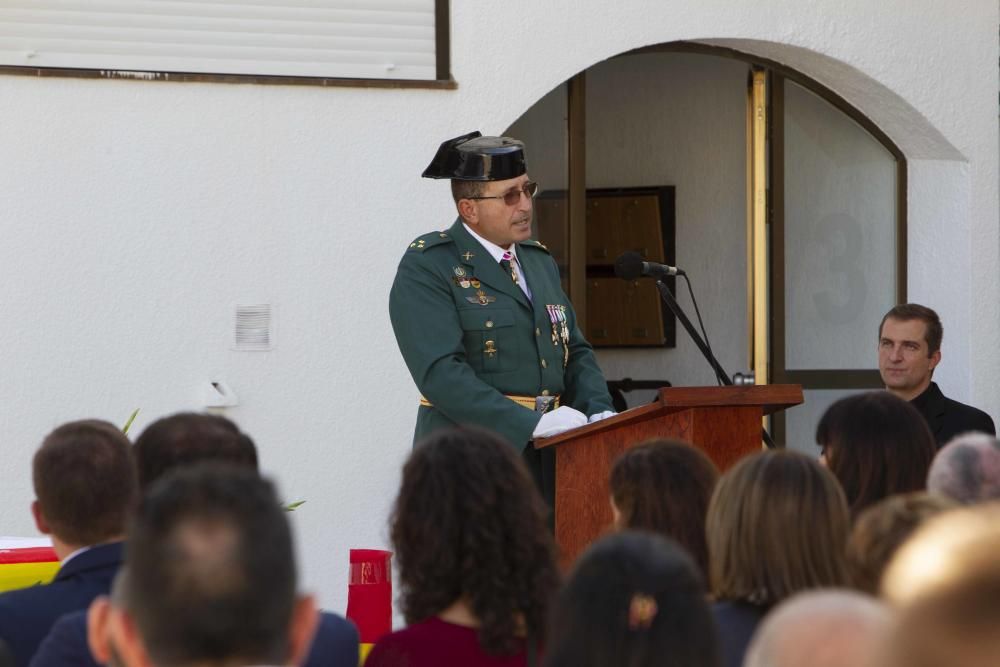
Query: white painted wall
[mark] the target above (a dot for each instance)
(135, 213)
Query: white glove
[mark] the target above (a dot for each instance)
(601, 415)
(559, 420)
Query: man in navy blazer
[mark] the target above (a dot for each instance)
(86, 487)
(335, 643)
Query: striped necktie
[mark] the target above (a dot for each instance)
(507, 264)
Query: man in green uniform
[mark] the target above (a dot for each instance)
(480, 317)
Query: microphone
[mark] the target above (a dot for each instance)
(630, 266)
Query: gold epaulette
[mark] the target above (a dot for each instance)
(426, 241)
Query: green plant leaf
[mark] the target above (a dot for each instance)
(131, 419)
(291, 507)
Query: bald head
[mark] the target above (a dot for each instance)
(967, 469)
(822, 629)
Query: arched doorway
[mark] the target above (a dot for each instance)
(788, 214)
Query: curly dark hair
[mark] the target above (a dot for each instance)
(469, 522)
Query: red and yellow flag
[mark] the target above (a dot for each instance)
(26, 562)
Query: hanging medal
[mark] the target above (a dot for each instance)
(564, 333)
(554, 319)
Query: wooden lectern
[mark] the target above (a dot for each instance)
(724, 422)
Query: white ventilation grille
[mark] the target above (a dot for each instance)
(368, 39)
(253, 328)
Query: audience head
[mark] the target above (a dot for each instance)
(954, 627)
(967, 469)
(828, 628)
(187, 438)
(633, 598)
(777, 524)
(209, 577)
(468, 525)
(943, 553)
(664, 486)
(85, 483)
(876, 445)
(946, 582)
(881, 529)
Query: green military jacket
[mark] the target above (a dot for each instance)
(469, 336)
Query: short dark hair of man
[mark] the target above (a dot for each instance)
(881, 529)
(967, 469)
(633, 598)
(466, 189)
(905, 312)
(468, 522)
(876, 445)
(85, 482)
(665, 486)
(211, 569)
(187, 438)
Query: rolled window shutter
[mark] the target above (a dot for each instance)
(368, 39)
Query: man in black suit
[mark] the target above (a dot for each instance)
(909, 349)
(227, 596)
(86, 487)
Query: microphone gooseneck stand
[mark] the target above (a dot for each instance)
(720, 372)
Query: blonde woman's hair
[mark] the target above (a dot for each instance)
(777, 524)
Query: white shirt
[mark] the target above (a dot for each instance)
(73, 555)
(497, 253)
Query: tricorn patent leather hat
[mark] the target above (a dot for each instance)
(473, 157)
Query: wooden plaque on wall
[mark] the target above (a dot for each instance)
(619, 313)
